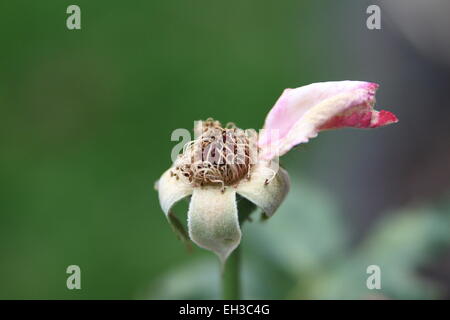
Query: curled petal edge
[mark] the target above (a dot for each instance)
(301, 113)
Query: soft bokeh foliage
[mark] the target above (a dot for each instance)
(306, 254)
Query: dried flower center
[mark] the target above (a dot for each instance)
(219, 156)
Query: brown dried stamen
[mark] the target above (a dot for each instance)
(219, 156)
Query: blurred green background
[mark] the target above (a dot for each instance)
(86, 122)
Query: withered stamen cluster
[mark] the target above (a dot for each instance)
(218, 156)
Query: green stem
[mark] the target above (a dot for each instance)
(231, 271)
(231, 282)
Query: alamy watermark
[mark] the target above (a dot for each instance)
(373, 21)
(374, 280)
(73, 21)
(74, 280)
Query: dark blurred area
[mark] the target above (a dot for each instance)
(87, 117)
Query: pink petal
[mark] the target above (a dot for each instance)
(301, 113)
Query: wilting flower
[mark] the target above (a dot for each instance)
(223, 162)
